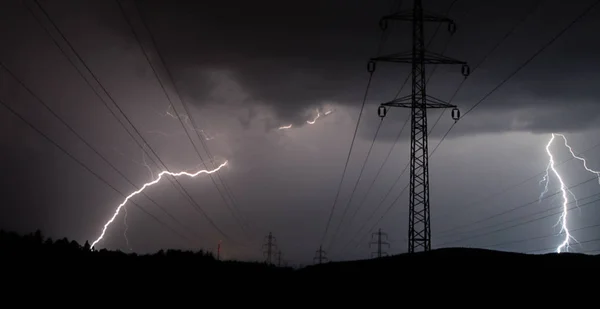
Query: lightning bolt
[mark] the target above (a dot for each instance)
(314, 120)
(289, 126)
(126, 228)
(160, 175)
(564, 245)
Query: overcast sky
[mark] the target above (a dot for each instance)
(244, 69)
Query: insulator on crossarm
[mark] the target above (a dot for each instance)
(371, 66)
(455, 114)
(452, 27)
(382, 111)
(466, 70)
(383, 24)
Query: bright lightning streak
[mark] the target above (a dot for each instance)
(160, 175)
(597, 173)
(563, 217)
(289, 126)
(565, 191)
(314, 120)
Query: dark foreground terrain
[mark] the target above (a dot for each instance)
(33, 259)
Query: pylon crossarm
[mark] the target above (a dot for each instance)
(407, 15)
(435, 58)
(432, 17)
(430, 102)
(429, 58)
(401, 57)
(404, 15)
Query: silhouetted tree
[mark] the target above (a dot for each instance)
(38, 237)
(48, 253)
(86, 246)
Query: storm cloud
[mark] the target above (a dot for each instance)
(247, 68)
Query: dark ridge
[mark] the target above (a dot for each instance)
(448, 258)
(34, 254)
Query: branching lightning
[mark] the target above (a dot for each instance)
(146, 165)
(562, 221)
(126, 228)
(563, 217)
(151, 173)
(314, 120)
(186, 121)
(160, 175)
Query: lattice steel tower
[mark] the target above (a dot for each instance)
(419, 230)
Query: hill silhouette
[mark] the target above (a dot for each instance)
(68, 258)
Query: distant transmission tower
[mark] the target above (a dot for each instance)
(279, 254)
(270, 248)
(320, 256)
(419, 230)
(219, 251)
(379, 243)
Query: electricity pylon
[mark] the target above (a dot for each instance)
(270, 248)
(419, 230)
(279, 254)
(320, 256)
(379, 243)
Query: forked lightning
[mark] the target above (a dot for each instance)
(160, 175)
(565, 192)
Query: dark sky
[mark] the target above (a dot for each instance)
(245, 68)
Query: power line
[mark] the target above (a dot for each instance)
(538, 237)
(320, 256)
(377, 208)
(494, 48)
(183, 190)
(362, 169)
(371, 69)
(271, 248)
(520, 224)
(102, 100)
(379, 172)
(581, 242)
(377, 133)
(518, 69)
(10, 109)
(516, 208)
(227, 189)
(380, 242)
(505, 190)
(171, 102)
(381, 203)
(523, 216)
(537, 53)
(419, 212)
(82, 139)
